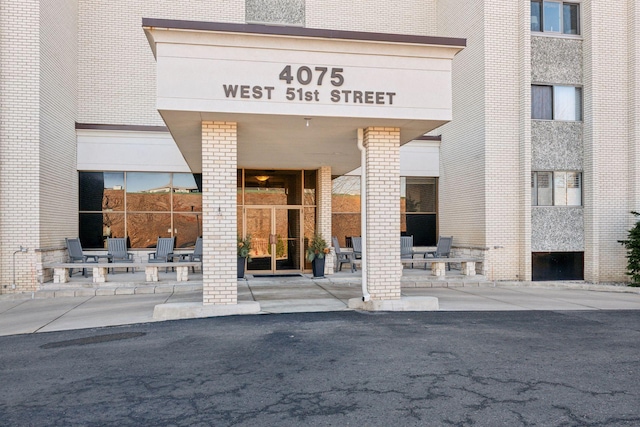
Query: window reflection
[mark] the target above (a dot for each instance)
(418, 194)
(552, 16)
(310, 187)
(101, 191)
(346, 194)
(187, 197)
(145, 228)
(187, 228)
(94, 228)
(148, 192)
(270, 187)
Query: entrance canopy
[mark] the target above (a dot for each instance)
(298, 95)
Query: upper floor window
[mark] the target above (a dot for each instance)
(555, 17)
(556, 103)
(557, 188)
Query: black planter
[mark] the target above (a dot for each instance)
(241, 263)
(318, 267)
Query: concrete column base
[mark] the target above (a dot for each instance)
(193, 310)
(402, 304)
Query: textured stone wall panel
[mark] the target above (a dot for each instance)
(559, 229)
(556, 145)
(556, 60)
(286, 12)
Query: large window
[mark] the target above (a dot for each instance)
(556, 103)
(555, 17)
(141, 206)
(418, 207)
(558, 188)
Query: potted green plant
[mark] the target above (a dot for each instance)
(316, 252)
(244, 254)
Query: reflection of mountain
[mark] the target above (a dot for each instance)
(149, 216)
(276, 196)
(113, 200)
(167, 189)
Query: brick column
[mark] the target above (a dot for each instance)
(219, 204)
(384, 270)
(323, 203)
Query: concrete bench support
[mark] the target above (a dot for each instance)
(60, 275)
(468, 268)
(100, 274)
(151, 273)
(438, 265)
(439, 269)
(100, 271)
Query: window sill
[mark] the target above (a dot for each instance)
(557, 206)
(558, 121)
(556, 35)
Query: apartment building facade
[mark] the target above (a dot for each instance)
(535, 171)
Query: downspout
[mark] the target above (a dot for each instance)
(363, 213)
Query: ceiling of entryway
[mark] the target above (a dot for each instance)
(286, 142)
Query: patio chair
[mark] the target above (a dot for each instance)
(443, 250)
(196, 255)
(406, 248)
(164, 251)
(117, 251)
(343, 257)
(357, 246)
(74, 249)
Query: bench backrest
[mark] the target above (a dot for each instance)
(197, 251)
(406, 246)
(357, 244)
(336, 244)
(443, 250)
(164, 247)
(74, 248)
(117, 247)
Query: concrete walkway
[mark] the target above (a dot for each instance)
(78, 304)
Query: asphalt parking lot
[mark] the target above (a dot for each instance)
(551, 368)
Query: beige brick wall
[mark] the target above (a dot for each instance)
(384, 270)
(485, 150)
(524, 141)
(117, 69)
(19, 138)
(220, 223)
(607, 198)
(508, 173)
(58, 110)
(38, 190)
(462, 205)
(117, 80)
(634, 109)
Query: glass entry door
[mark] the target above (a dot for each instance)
(276, 239)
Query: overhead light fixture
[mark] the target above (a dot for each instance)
(307, 119)
(262, 178)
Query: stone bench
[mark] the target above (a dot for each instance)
(438, 265)
(100, 270)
